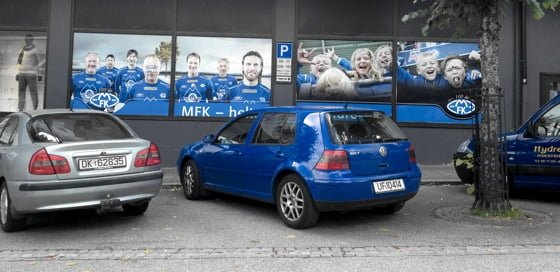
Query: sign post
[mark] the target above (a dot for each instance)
(284, 62)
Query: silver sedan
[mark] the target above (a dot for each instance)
(59, 159)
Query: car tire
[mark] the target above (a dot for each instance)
(294, 203)
(512, 191)
(389, 209)
(190, 180)
(8, 222)
(136, 208)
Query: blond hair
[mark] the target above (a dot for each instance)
(334, 82)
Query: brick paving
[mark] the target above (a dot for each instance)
(273, 252)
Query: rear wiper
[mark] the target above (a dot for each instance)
(384, 140)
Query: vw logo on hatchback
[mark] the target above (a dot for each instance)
(383, 151)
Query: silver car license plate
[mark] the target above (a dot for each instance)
(101, 163)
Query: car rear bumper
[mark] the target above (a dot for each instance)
(358, 193)
(54, 195)
(358, 205)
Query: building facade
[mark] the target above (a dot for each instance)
(391, 65)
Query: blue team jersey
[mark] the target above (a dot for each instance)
(84, 86)
(306, 78)
(193, 89)
(143, 91)
(243, 93)
(109, 74)
(344, 63)
(126, 78)
(222, 85)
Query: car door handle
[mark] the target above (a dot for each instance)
(383, 165)
(233, 152)
(279, 154)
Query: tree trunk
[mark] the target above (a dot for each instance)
(491, 193)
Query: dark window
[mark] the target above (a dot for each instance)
(549, 124)
(237, 131)
(363, 128)
(76, 127)
(276, 128)
(350, 17)
(125, 14)
(8, 128)
(24, 13)
(226, 16)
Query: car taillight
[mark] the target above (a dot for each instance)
(43, 163)
(333, 160)
(411, 155)
(147, 157)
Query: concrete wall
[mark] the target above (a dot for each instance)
(543, 56)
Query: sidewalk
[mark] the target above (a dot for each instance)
(441, 174)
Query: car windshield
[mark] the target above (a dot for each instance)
(363, 127)
(56, 128)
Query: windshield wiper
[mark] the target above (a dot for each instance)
(389, 139)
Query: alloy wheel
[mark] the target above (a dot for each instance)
(188, 179)
(4, 205)
(292, 201)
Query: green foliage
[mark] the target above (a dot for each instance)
(467, 161)
(508, 214)
(536, 8)
(550, 4)
(470, 189)
(442, 14)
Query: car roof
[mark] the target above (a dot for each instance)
(34, 113)
(311, 109)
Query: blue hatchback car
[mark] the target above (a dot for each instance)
(305, 160)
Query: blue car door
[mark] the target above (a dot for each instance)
(537, 157)
(271, 147)
(224, 161)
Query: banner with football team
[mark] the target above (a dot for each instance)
(435, 82)
(131, 74)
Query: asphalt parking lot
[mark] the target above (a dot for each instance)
(230, 234)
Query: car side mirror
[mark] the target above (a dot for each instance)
(535, 130)
(208, 139)
(530, 133)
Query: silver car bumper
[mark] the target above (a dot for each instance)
(55, 195)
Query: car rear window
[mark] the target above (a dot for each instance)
(363, 127)
(76, 127)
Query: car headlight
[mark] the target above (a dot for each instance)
(464, 147)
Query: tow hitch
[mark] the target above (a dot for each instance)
(110, 203)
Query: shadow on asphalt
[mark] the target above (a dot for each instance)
(548, 197)
(78, 219)
(327, 218)
(90, 219)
